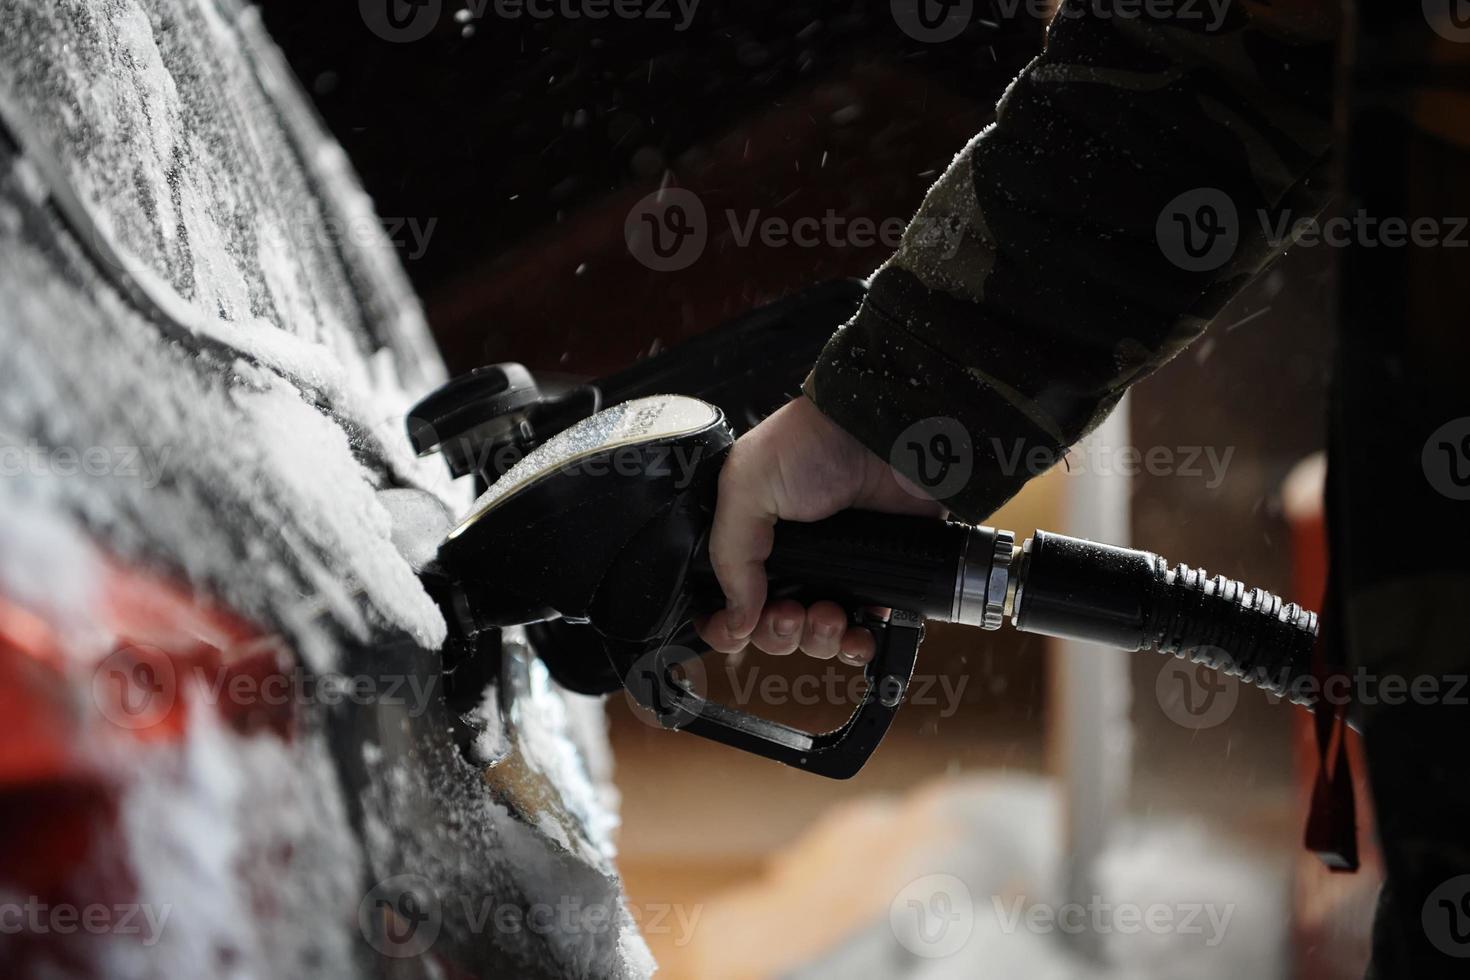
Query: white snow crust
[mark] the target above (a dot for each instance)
(245, 439)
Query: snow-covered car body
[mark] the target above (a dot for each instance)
(228, 752)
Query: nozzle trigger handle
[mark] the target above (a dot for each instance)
(857, 558)
(839, 754)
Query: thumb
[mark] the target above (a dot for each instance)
(740, 540)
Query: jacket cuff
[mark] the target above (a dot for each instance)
(966, 440)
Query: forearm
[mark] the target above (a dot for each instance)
(1033, 286)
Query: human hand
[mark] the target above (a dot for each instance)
(797, 465)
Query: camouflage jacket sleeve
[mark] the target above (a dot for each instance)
(1126, 189)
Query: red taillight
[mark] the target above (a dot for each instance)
(80, 702)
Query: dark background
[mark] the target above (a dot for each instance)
(528, 141)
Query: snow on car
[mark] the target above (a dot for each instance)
(228, 750)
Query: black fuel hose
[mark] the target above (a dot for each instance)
(1134, 600)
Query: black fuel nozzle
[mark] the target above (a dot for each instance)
(606, 524)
